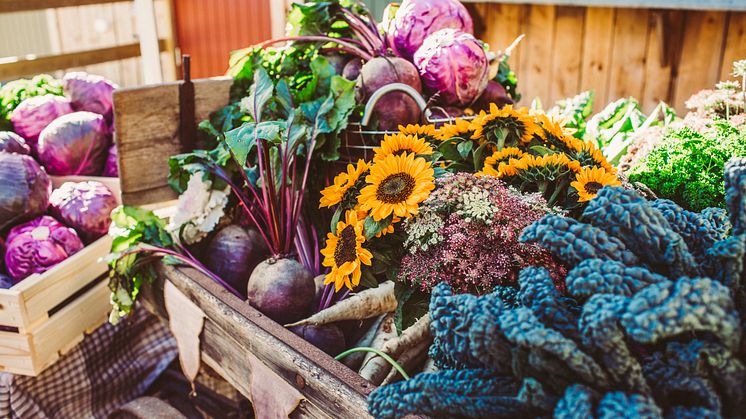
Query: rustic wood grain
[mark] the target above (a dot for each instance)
(735, 44)
(232, 327)
(7, 6)
(701, 55)
(500, 35)
(664, 45)
(568, 46)
(536, 55)
(595, 67)
(628, 57)
(147, 125)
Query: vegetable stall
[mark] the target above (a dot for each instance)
(360, 220)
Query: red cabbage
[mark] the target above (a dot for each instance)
(84, 206)
(5, 283)
(24, 189)
(35, 113)
(10, 142)
(75, 144)
(38, 245)
(89, 92)
(415, 20)
(110, 167)
(453, 64)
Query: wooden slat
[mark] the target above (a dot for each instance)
(664, 44)
(147, 124)
(735, 44)
(7, 6)
(500, 36)
(25, 67)
(568, 46)
(233, 327)
(701, 55)
(628, 53)
(647, 4)
(596, 62)
(537, 55)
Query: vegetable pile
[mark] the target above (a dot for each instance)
(49, 131)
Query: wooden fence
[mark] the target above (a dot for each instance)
(105, 37)
(651, 54)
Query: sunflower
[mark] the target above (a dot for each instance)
(335, 193)
(549, 167)
(397, 185)
(555, 133)
(589, 155)
(459, 128)
(401, 144)
(344, 252)
(498, 159)
(389, 228)
(505, 126)
(428, 132)
(590, 180)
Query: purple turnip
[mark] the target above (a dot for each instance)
(493, 93)
(329, 338)
(395, 108)
(233, 254)
(282, 289)
(351, 70)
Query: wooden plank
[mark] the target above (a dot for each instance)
(537, 54)
(124, 32)
(597, 53)
(7, 6)
(14, 67)
(568, 42)
(664, 46)
(645, 4)
(147, 125)
(700, 57)
(502, 25)
(233, 327)
(735, 44)
(628, 54)
(16, 355)
(149, 46)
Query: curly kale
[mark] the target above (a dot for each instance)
(687, 166)
(651, 325)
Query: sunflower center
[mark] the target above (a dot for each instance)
(346, 250)
(395, 188)
(593, 187)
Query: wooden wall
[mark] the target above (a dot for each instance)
(649, 54)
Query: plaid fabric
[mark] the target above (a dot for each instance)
(110, 367)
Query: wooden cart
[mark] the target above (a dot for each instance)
(148, 121)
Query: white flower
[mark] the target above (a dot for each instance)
(422, 231)
(199, 209)
(475, 205)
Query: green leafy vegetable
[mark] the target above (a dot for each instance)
(15, 92)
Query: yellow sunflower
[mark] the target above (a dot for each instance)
(459, 128)
(590, 180)
(427, 131)
(498, 159)
(334, 193)
(518, 126)
(397, 185)
(344, 252)
(597, 157)
(556, 159)
(401, 144)
(389, 228)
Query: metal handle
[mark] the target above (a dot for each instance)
(393, 87)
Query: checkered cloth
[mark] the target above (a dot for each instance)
(110, 367)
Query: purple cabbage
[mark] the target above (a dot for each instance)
(24, 189)
(38, 245)
(454, 65)
(10, 142)
(84, 206)
(5, 283)
(88, 92)
(415, 20)
(35, 113)
(75, 144)
(110, 167)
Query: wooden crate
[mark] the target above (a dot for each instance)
(50, 313)
(147, 129)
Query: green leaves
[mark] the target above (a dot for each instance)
(575, 110)
(372, 227)
(411, 305)
(242, 140)
(259, 94)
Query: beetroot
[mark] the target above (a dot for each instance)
(282, 289)
(493, 93)
(234, 253)
(328, 338)
(395, 108)
(337, 61)
(351, 70)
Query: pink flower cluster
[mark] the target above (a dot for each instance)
(477, 243)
